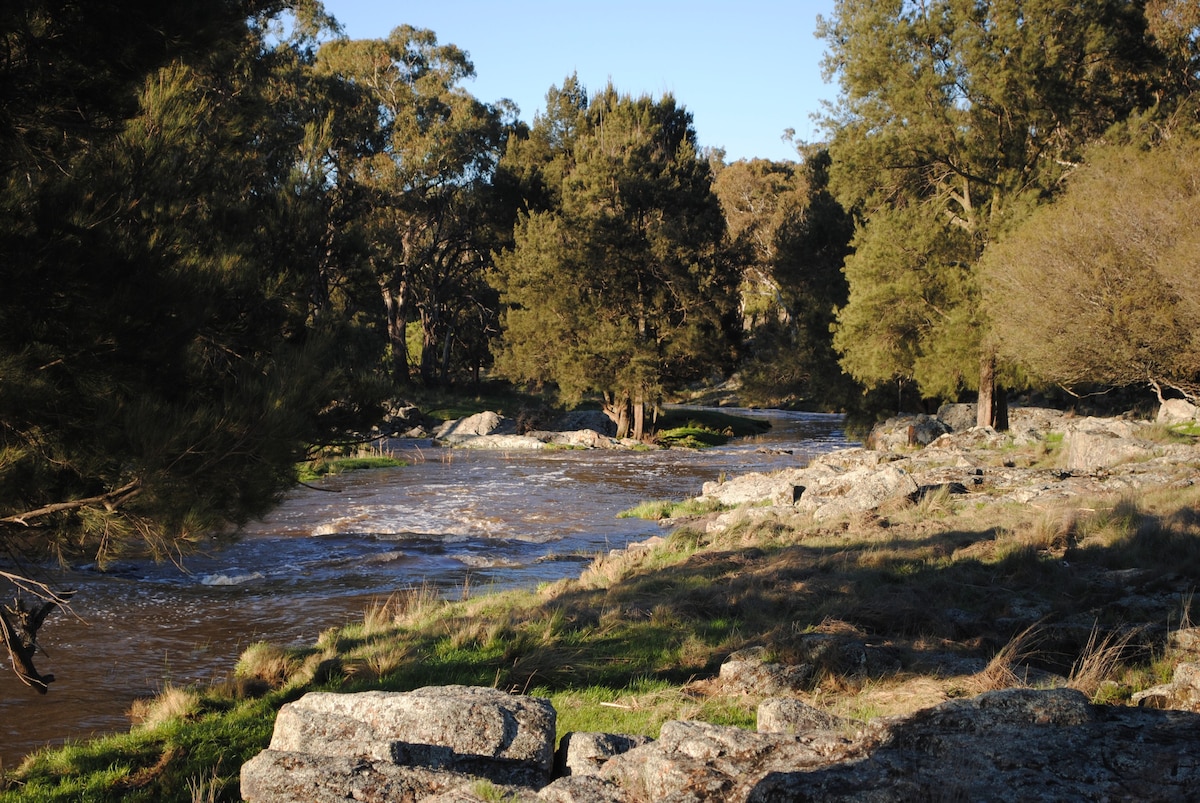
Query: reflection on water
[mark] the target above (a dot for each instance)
(453, 519)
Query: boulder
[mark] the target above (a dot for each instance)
(276, 776)
(485, 423)
(906, 432)
(466, 732)
(1182, 692)
(856, 491)
(584, 753)
(507, 443)
(749, 671)
(1098, 449)
(791, 716)
(958, 417)
(780, 487)
(577, 439)
(1177, 411)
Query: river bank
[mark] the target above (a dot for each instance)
(920, 599)
(452, 520)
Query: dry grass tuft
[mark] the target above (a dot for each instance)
(268, 663)
(174, 702)
(1100, 661)
(407, 607)
(1005, 670)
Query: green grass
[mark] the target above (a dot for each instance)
(712, 420)
(658, 510)
(323, 467)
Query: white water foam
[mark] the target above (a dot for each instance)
(231, 579)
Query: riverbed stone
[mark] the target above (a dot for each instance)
(473, 426)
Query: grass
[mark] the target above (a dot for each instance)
(896, 611)
(658, 510)
(323, 467)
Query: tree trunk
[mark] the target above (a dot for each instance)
(987, 389)
(992, 410)
(639, 415)
(617, 406)
(18, 631)
(429, 349)
(397, 324)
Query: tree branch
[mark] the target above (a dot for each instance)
(109, 500)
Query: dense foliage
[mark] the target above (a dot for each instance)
(621, 284)
(790, 238)
(955, 118)
(1099, 289)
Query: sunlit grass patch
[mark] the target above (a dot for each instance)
(658, 510)
(323, 467)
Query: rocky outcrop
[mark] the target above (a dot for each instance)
(474, 426)
(905, 432)
(1082, 456)
(470, 744)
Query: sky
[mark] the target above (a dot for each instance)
(747, 70)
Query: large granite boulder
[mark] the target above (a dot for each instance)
(856, 491)
(473, 426)
(418, 743)
(1177, 411)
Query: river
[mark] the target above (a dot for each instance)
(461, 520)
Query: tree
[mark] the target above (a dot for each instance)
(621, 285)
(425, 158)
(162, 365)
(791, 237)
(955, 118)
(1100, 287)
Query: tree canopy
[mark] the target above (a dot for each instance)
(955, 118)
(162, 368)
(1099, 288)
(620, 285)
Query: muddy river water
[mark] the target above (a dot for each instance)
(453, 519)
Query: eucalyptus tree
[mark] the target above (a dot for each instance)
(954, 119)
(621, 284)
(426, 157)
(161, 365)
(790, 237)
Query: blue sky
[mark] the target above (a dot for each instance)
(746, 70)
